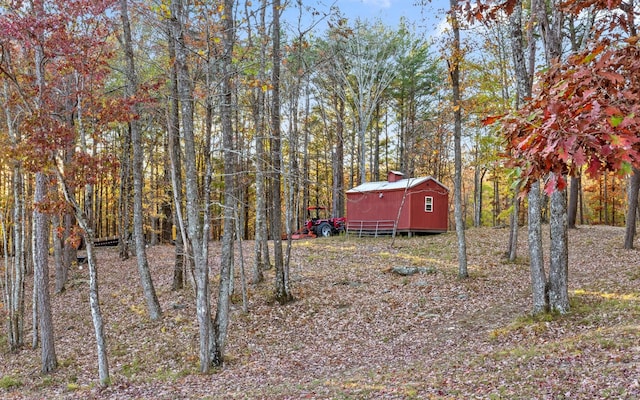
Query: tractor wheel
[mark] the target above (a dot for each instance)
(324, 230)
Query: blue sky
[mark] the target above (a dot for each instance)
(391, 11)
(426, 18)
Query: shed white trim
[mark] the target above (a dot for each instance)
(401, 184)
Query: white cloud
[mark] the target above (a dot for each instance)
(375, 3)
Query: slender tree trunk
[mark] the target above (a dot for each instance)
(14, 272)
(226, 257)
(282, 291)
(513, 235)
(96, 313)
(153, 305)
(175, 159)
(195, 232)
(538, 275)
(523, 91)
(15, 284)
(634, 181)
(454, 70)
(69, 247)
(124, 196)
(216, 355)
(261, 247)
(558, 267)
(243, 279)
(338, 176)
(58, 254)
(478, 175)
(94, 297)
(40, 249)
(70, 250)
(632, 208)
(41, 276)
(550, 23)
(574, 192)
(605, 197)
(496, 199)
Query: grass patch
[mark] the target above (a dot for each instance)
(530, 324)
(603, 308)
(4, 346)
(130, 370)
(46, 381)
(8, 382)
(168, 375)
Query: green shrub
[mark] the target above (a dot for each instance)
(9, 382)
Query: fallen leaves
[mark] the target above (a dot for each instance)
(357, 331)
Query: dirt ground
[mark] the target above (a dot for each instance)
(357, 330)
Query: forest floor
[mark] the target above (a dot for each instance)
(358, 330)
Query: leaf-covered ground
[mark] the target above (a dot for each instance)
(358, 330)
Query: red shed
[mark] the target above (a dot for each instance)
(373, 207)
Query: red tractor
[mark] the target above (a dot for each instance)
(319, 224)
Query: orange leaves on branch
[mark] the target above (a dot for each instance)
(492, 119)
(585, 113)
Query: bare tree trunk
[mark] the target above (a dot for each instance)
(478, 176)
(216, 342)
(523, 91)
(40, 249)
(176, 172)
(15, 270)
(96, 313)
(558, 267)
(70, 250)
(513, 228)
(574, 193)
(15, 278)
(496, 199)
(261, 248)
(196, 236)
(634, 181)
(538, 275)
(153, 305)
(226, 257)
(282, 291)
(94, 298)
(632, 207)
(454, 70)
(550, 23)
(338, 176)
(605, 197)
(124, 196)
(41, 276)
(58, 254)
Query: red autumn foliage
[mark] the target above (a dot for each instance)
(584, 112)
(75, 38)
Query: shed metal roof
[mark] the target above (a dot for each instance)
(385, 185)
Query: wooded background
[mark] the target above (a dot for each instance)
(184, 122)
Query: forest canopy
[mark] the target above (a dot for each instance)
(185, 123)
